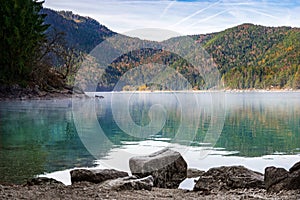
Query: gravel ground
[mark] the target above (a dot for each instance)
(93, 191)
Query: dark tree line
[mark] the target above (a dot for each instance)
(32, 53)
(22, 34)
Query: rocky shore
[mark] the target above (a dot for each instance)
(157, 176)
(86, 190)
(16, 92)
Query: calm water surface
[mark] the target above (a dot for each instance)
(251, 129)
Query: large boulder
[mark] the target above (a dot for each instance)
(295, 167)
(129, 183)
(278, 179)
(167, 167)
(226, 178)
(273, 177)
(95, 176)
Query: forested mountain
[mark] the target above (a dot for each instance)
(82, 33)
(251, 56)
(247, 56)
(45, 48)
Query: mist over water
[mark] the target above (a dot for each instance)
(259, 129)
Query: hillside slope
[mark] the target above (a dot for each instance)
(82, 33)
(251, 56)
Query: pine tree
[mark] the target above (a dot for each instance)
(21, 34)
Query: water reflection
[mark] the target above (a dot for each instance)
(256, 124)
(38, 137)
(123, 117)
(46, 136)
(262, 123)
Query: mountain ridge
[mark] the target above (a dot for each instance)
(247, 56)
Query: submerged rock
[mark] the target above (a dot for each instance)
(278, 179)
(226, 178)
(95, 176)
(129, 183)
(167, 167)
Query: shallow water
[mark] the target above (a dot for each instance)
(209, 129)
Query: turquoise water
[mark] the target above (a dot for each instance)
(253, 129)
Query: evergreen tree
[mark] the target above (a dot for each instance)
(21, 34)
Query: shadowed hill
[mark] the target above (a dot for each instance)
(83, 33)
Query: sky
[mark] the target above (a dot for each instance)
(186, 17)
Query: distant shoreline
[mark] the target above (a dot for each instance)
(202, 91)
(68, 95)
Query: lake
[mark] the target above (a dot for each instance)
(50, 137)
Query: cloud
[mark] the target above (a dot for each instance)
(184, 16)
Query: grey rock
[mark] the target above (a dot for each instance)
(43, 181)
(167, 167)
(129, 183)
(278, 179)
(227, 178)
(274, 175)
(295, 167)
(95, 176)
(194, 173)
(99, 96)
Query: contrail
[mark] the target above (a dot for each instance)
(261, 13)
(167, 8)
(238, 4)
(209, 17)
(196, 13)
